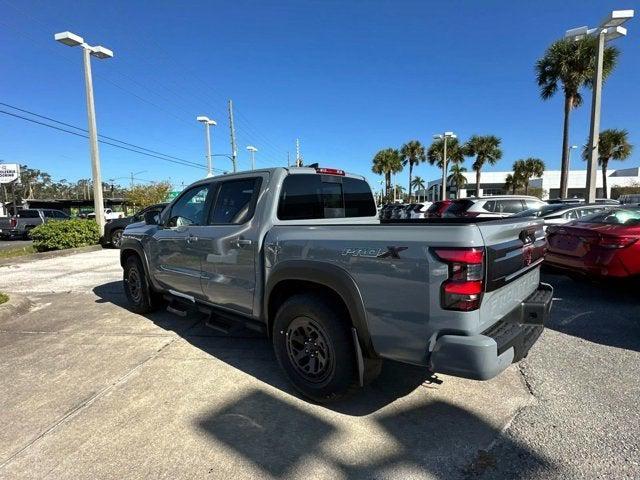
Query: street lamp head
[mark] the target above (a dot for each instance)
(203, 119)
(449, 134)
(616, 18)
(611, 33)
(576, 33)
(69, 39)
(574, 146)
(437, 137)
(101, 52)
(251, 148)
(212, 122)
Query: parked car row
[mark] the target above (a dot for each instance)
(25, 220)
(402, 211)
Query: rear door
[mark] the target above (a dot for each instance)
(229, 242)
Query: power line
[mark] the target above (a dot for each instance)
(178, 162)
(100, 135)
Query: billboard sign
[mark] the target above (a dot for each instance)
(9, 172)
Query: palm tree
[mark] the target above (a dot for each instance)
(457, 178)
(455, 153)
(613, 145)
(412, 153)
(570, 64)
(418, 184)
(524, 170)
(387, 162)
(485, 149)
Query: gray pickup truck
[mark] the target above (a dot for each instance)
(299, 254)
(20, 224)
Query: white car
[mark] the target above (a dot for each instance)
(493, 206)
(108, 214)
(559, 214)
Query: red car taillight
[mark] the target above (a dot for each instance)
(13, 222)
(616, 242)
(462, 291)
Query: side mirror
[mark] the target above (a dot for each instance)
(151, 217)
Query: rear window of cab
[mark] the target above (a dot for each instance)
(314, 196)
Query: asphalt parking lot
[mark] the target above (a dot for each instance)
(90, 390)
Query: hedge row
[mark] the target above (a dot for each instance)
(58, 235)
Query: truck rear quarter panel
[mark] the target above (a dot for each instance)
(399, 280)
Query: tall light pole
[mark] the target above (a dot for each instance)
(609, 29)
(73, 40)
(252, 150)
(444, 137)
(207, 137)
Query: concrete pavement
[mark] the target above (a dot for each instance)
(91, 390)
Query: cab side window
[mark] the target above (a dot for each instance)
(235, 202)
(190, 208)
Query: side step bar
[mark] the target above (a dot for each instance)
(217, 318)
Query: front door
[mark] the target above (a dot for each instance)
(174, 247)
(230, 244)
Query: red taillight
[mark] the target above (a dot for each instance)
(13, 222)
(616, 242)
(462, 291)
(330, 171)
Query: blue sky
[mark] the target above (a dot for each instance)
(346, 77)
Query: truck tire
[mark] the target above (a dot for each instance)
(142, 299)
(314, 346)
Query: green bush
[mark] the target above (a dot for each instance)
(58, 235)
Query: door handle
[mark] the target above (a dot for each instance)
(243, 242)
(191, 239)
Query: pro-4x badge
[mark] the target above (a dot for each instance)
(392, 252)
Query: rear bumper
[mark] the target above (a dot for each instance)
(594, 264)
(483, 356)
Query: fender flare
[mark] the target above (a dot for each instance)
(133, 245)
(329, 276)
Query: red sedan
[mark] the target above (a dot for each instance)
(604, 245)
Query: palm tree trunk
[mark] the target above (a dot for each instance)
(387, 184)
(478, 183)
(564, 170)
(604, 179)
(410, 178)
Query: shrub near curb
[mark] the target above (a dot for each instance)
(59, 235)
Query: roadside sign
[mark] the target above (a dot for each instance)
(9, 172)
(173, 195)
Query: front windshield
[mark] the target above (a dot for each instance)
(622, 216)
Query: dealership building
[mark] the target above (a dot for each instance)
(492, 183)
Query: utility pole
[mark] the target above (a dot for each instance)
(288, 159)
(298, 156)
(234, 149)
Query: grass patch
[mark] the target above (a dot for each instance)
(17, 252)
(4, 298)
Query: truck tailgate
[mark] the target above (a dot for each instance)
(514, 250)
(513, 247)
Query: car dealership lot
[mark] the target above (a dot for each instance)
(91, 390)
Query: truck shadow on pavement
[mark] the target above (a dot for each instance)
(285, 437)
(607, 313)
(431, 440)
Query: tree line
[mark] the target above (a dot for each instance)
(38, 184)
